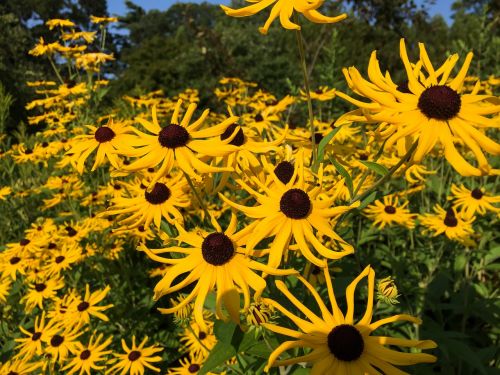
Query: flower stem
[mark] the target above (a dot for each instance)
(197, 194)
(300, 44)
(55, 69)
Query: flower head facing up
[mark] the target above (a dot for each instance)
(284, 9)
(340, 343)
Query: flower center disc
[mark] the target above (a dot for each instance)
(346, 343)
(217, 249)
(56, 340)
(173, 136)
(390, 210)
(476, 194)
(450, 221)
(104, 134)
(158, 195)
(40, 287)
(295, 204)
(85, 354)
(239, 138)
(82, 306)
(284, 171)
(134, 355)
(14, 260)
(440, 102)
(59, 259)
(36, 336)
(194, 368)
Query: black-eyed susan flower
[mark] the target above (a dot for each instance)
(180, 143)
(284, 9)
(5, 285)
(190, 365)
(416, 173)
(292, 210)
(341, 344)
(61, 344)
(20, 366)
(390, 211)
(30, 345)
(259, 313)
(106, 139)
(63, 258)
(473, 201)
(136, 359)
(88, 359)
(41, 290)
(454, 225)
(81, 309)
(323, 93)
(4, 192)
(213, 261)
(142, 206)
(198, 341)
(429, 110)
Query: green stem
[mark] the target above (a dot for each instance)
(386, 177)
(55, 69)
(197, 194)
(300, 44)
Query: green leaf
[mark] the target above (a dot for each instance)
(321, 148)
(220, 353)
(343, 172)
(375, 167)
(369, 199)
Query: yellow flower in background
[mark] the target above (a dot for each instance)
(20, 366)
(4, 192)
(144, 206)
(189, 365)
(387, 291)
(103, 20)
(136, 359)
(41, 290)
(323, 93)
(60, 345)
(428, 110)
(284, 9)
(213, 261)
(473, 201)
(197, 340)
(92, 61)
(454, 225)
(57, 22)
(389, 212)
(340, 344)
(86, 358)
(81, 309)
(30, 345)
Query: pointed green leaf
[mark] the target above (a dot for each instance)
(375, 167)
(343, 172)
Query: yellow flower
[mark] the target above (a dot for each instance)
(4, 192)
(91, 61)
(428, 110)
(41, 290)
(198, 341)
(86, 358)
(32, 344)
(473, 201)
(103, 20)
(181, 143)
(284, 9)
(456, 226)
(56, 22)
(291, 208)
(390, 212)
(339, 344)
(61, 344)
(387, 291)
(189, 366)
(323, 93)
(80, 310)
(136, 358)
(213, 261)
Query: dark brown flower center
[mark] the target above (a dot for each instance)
(12, 373)
(24, 242)
(56, 340)
(317, 138)
(217, 249)
(238, 139)
(440, 102)
(36, 336)
(28, 151)
(390, 210)
(173, 136)
(295, 204)
(71, 231)
(363, 157)
(40, 287)
(158, 195)
(316, 270)
(85, 354)
(258, 117)
(476, 194)
(59, 259)
(134, 355)
(284, 171)
(14, 260)
(346, 343)
(104, 134)
(450, 221)
(194, 368)
(202, 335)
(82, 306)
(51, 246)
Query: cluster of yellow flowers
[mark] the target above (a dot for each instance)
(235, 199)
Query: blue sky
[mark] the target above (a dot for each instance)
(117, 7)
